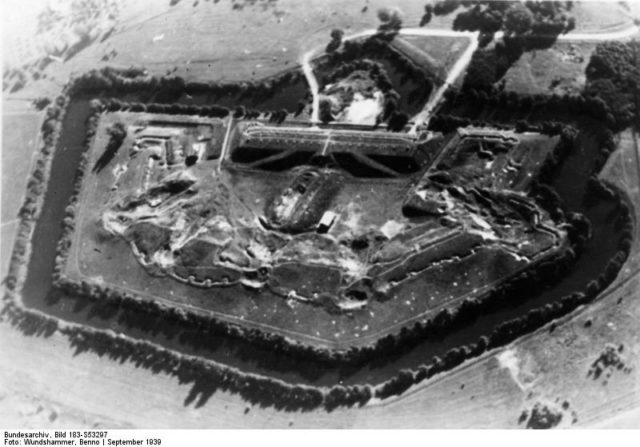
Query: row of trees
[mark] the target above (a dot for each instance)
(508, 331)
(29, 321)
(473, 100)
(205, 376)
(538, 22)
(610, 95)
(109, 81)
(68, 223)
(579, 231)
(376, 47)
(214, 111)
(36, 185)
(449, 123)
(299, 398)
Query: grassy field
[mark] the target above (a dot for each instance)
(559, 69)
(601, 17)
(215, 40)
(445, 51)
(20, 139)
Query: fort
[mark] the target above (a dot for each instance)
(338, 220)
(286, 225)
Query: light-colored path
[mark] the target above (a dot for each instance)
(225, 143)
(313, 85)
(458, 68)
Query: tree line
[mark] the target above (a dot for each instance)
(611, 93)
(31, 206)
(272, 341)
(379, 47)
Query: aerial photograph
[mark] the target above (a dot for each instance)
(327, 214)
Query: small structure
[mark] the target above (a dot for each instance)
(328, 218)
(194, 152)
(170, 153)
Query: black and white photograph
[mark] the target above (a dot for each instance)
(317, 214)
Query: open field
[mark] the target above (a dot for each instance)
(220, 43)
(444, 50)
(186, 39)
(559, 69)
(600, 17)
(20, 139)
